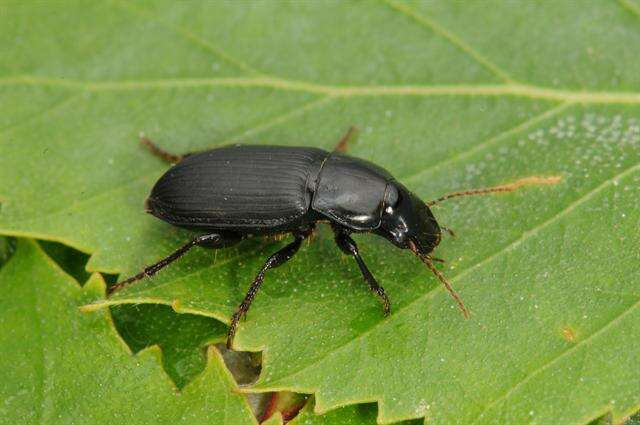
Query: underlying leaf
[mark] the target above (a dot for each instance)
(181, 337)
(363, 414)
(449, 96)
(60, 365)
(7, 248)
(70, 260)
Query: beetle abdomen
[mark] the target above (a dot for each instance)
(238, 187)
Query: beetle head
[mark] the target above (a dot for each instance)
(408, 222)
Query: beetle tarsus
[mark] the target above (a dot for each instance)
(348, 246)
(386, 303)
(159, 152)
(232, 329)
(277, 259)
(154, 268)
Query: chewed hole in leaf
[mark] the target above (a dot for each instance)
(70, 260)
(181, 337)
(7, 248)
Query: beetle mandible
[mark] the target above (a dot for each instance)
(233, 192)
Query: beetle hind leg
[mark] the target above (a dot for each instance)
(154, 268)
(348, 246)
(159, 152)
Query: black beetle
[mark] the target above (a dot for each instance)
(237, 191)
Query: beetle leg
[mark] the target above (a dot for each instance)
(349, 136)
(154, 268)
(275, 260)
(159, 152)
(348, 246)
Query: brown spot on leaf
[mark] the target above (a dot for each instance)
(569, 333)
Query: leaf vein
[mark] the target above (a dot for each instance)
(491, 141)
(189, 36)
(283, 118)
(344, 91)
(452, 38)
(630, 6)
(58, 105)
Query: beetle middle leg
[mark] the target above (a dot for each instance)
(204, 240)
(348, 137)
(348, 246)
(277, 259)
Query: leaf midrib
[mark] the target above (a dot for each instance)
(527, 91)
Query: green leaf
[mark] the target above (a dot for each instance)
(448, 96)
(60, 365)
(7, 248)
(71, 261)
(362, 414)
(181, 337)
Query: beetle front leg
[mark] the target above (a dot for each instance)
(348, 246)
(274, 261)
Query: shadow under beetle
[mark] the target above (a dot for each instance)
(237, 191)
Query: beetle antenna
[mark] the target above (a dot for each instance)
(534, 180)
(427, 260)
